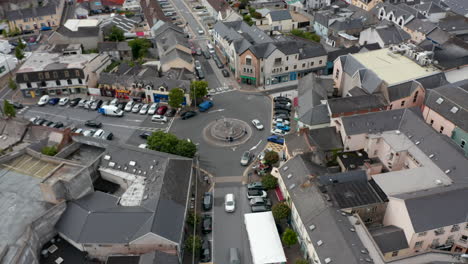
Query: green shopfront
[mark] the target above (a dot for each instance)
(248, 80)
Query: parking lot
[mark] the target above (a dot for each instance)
(129, 125)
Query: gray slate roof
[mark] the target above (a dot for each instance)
(356, 103)
(351, 194)
(311, 91)
(421, 25)
(349, 24)
(32, 12)
(405, 89)
(98, 218)
(279, 15)
(458, 6)
(113, 46)
(392, 35)
(432, 205)
(455, 97)
(81, 32)
(389, 238)
(325, 138)
(127, 79)
(370, 82)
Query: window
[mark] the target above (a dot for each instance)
(55, 74)
(295, 67)
(28, 84)
(337, 73)
(25, 77)
(80, 81)
(463, 239)
(441, 129)
(277, 61)
(286, 68)
(454, 110)
(287, 58)
(463, 143)
(394, 253)
(47, 75)
(57, 82)
(422, 234)
(440, 100)
(415, 96)
(77, 73)
(455, 228)
(435, 243)
(303, 65)
(418, 244)
(261, 69)
(391, 106)
(432, 122)
(41, 76)
(2, 69)
(66, 73)
(312, 63)
(320, 61)
(402, 103)
(439, 231)
(69, 81)
(248, 61)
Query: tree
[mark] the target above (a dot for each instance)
(8, 109)
(280, 211)
(185, 148)
(301, 261)
(198, 89)
(193, 244)
(116, 34)
(192, 218)
(139, 47)
(21, 44)
(164, 142)
(49, 150)
(289, 237)
(269, 181)
(12, 84)
(176, 97)
(271, 157)
(19, 53)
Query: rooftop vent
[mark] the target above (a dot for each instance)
(328, 260)
(319, 243)
(151, 167)
(345, 156)
(397, 132)
(431, 156)
(139, 171)
(447, 171)
(285, 168)
(111, 164)
(311, 227)
(134, 170)
(454, 109)
(289, 176)
(417, 142)
(352, 229)
(144, 173)
(107, 157)
(438, 182)
(440, 100)
(132, 163)
(125, 168)
(359, 154)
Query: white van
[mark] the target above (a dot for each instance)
(210, 47)
(43, 101)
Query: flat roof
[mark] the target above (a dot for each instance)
(74, 24)
(30, 166)
(265, 243)
(44, 61)
(394, 68)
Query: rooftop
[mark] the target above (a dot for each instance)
(49, 9)
(353, 194)
(41, 61)
(394, 68)
(389, 238)
(75, 24)
(357, 103)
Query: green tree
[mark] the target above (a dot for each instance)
(12, 84)
(192, 218)
(248, 19)
(301, 261)
(185, 148)
(289, 237)
(164, 142)
(271, 157)
(8, 109)
(269, 181)
(19, 53)
(280, 211)
(49, 150)
(176, 97)
(198, 89)
(193, 244)
(116, 34)
(139, 47)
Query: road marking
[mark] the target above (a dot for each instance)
(214, 111)
(254, 147)
(234, 148)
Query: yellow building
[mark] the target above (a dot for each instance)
(34, 18)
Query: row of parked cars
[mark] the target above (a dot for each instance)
(281, 117)
(258, 198)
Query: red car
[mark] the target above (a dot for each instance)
(161, 110)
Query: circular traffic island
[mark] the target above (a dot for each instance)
(227, 132)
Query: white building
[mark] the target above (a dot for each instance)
(7, 64)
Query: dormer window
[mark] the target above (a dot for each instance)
(162, 89)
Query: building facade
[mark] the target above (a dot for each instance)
(35, 18)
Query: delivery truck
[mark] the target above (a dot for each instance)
(110, 110)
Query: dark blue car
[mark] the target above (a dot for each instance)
(276, 139)
(54, 101)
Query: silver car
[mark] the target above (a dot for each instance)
(153, 108)
(245, 159)
(136, 108)
(144, 109)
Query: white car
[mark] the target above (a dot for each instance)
(257, 124)
(82, 102)
(136, 108)
(89, 132)
(79, 131)
(144, 109)
(229, 203)
(114, 101)
(153, 108)
(129, 106)
(98, 133)
(201, 31)
(282, 121)
(43, 101)
(143, 146)
(159, 118)
(197, 65)
(277, 131)
(64, 101)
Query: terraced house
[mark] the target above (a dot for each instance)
(33, 18)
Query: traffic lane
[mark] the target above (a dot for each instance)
(188, 15)
(210, 76)
(228, 228)
(225, 161)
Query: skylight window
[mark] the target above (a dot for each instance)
(132, 163)
(454, 109)
(440, 100)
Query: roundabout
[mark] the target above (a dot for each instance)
(227, 132)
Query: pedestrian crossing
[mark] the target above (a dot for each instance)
(220, 90)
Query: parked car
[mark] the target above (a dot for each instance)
(88, 104)
(129, 106)
(281, 111)
(255, 186)
(75, 102)
(225, 73)
(136, 108)
(200, 31)
(47, 123)
(284, 121)
(82, 102)
(256, 193)
(257, 124)
(96, 104)
(153, 108)
(282, 127)
(205, 252)
(78, 131)
(43, 101)
(200, 74)
(171, 112)
(282, 108)
(207, 224)
(229, 203)
(54, 101)
(281, 98)
(107, 135)
(206, 54)
(159, 118)
(161, 110)
(199, 51)
(56, 125)
(89, 132)
(98, 133)
(188, 114)
(121, 106)
(144, 109)
(281, 115)
(114, 101)
(260, 201)
(197, 65)
(17, 105)
(145, 135)
(207, 201)
(260, 208)
(93, 123)
(276, 139)
(278, 132)
(245, 159)
(64, 101)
